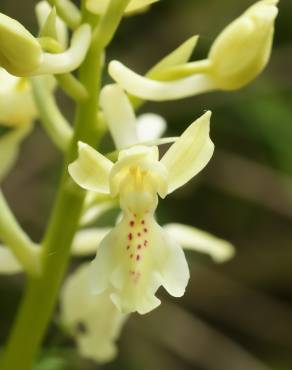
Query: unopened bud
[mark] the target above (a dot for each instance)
(243, 48)
(20, 52)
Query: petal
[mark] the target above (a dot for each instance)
(93, 320)
(9, 148)
(8, 263)
(149, 89)
(119, 115)
(150, 126)
(133, 261)
(20, 51)
(87, 241)
(194, 239)
(175, 273)
(179, 56)
(17, 106)
(100, 6)
(135, 5)
(91, 169)
(103, 264)
(71, 58)
(190, 153)
(96, 210)
(43, 9)
(243, 48)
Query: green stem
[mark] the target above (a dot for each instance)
(40, 297)
(109, 22)
(72, 86)
(42, 292)
(53, 121)
(17, 240)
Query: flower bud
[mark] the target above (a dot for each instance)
(20, 52)
(243, 48)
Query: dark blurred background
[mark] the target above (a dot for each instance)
(235, 316)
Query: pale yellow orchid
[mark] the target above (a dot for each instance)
(17, 106)
(17, 112)
(138, 256)
(238, 55)
(21, 53)
(92, 320)
(100, 6)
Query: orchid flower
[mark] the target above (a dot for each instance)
(21, 54)
(100, 6)
(238, 55)
(17, 112)
(138, 256)
(17, 105)
(93, 320)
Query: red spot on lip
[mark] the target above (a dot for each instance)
(130, 236)
(132, 223)
(142, 222)
(145, 230)
(128, 247)
(139, 234)
(131, 256)
(145, 243)
(138, 257)
(139, 246)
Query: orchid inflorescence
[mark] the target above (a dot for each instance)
(135, 256)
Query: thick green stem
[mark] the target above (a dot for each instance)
(40, 297)
(42, 292)
(16, 239)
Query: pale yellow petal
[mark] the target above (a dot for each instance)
(243, 48)
(93, 321)
(119, 116)
(9, 148)
(17, 106)
(175, 272)
(179, 56)
(150, 127)
(194, 239)
(91, 169)
(150, 89)
(95, 210)
(86, 241)
(8, 263)
(20, 52)
(43, 9)
(189, 154)
(100, 6)
(70, 59)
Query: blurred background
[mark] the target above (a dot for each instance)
(235, 316)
